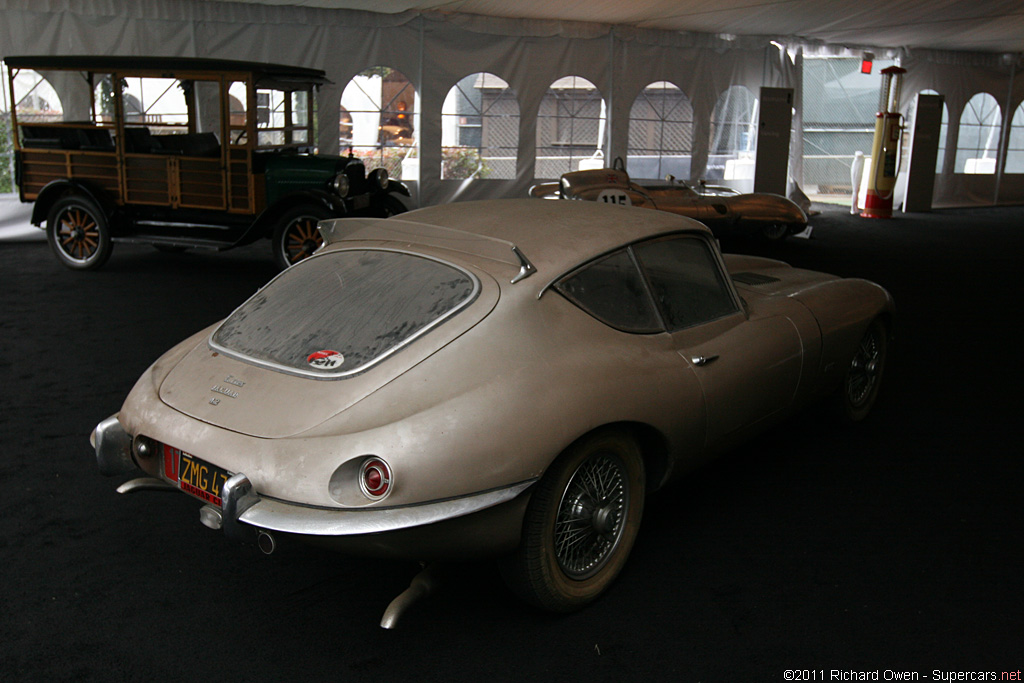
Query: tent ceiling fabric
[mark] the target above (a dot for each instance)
(984, 25)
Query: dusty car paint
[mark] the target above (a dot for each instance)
(471, 416)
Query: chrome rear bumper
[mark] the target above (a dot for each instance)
(113, 447)
(244, 514)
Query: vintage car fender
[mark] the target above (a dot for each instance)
(56, 189)
(265, 223)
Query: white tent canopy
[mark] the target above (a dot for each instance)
(628, 47)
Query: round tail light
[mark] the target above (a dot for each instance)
(375, 478)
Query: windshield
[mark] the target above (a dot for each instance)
(338, 313)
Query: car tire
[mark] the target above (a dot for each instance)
(393, 206)
(775, 232)
(864, 373)
(78, 233)
(579, 528)
(296, 236)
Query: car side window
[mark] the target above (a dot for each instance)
(686, 281)
(612, 291)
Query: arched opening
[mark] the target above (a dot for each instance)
(977, 142)
(383, 113)
(660, 132)
(480, 129)
(1015, 147)
(570, 128)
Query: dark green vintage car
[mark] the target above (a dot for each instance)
(181, 153)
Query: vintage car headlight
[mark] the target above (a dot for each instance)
(379, 177)
(375, 478)
(340, 184)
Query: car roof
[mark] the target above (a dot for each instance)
(269, 75)
(554, 236)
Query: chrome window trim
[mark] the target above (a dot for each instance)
(309, 374)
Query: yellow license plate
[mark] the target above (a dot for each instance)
(199, 478)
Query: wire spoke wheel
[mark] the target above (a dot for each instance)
(589, 521)
(864, 374)
(580, 523)
(78, 234)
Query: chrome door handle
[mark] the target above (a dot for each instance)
(703, 360)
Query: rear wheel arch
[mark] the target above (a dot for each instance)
(56, 190)
(653, 445)
(653, 449)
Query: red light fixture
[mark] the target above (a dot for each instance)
(866, 63)
(375, 478)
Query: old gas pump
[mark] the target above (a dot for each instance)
(885, 149)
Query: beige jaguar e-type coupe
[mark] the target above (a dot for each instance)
(506, 378)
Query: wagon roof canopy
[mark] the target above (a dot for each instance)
(270, 75)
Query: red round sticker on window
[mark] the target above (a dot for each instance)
(325, 359)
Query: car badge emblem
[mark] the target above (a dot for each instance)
(325, 359)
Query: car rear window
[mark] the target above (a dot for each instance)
(336, 314)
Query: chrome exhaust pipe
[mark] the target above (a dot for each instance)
(266, 542)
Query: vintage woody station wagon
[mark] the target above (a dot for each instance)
(182, 152)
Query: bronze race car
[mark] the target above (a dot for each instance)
(508, 378)
(771, 216)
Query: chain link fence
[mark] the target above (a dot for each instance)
(839, 110)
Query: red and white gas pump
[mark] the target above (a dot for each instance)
(885, 148)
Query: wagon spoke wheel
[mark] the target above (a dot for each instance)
(302, 239)
(580, 524)
(864, 374)
(297, 236)
(78, 233)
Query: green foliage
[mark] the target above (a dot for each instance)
(6, 153)
(459, 163)
(383, 157)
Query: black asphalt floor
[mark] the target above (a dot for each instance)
(896, 545)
